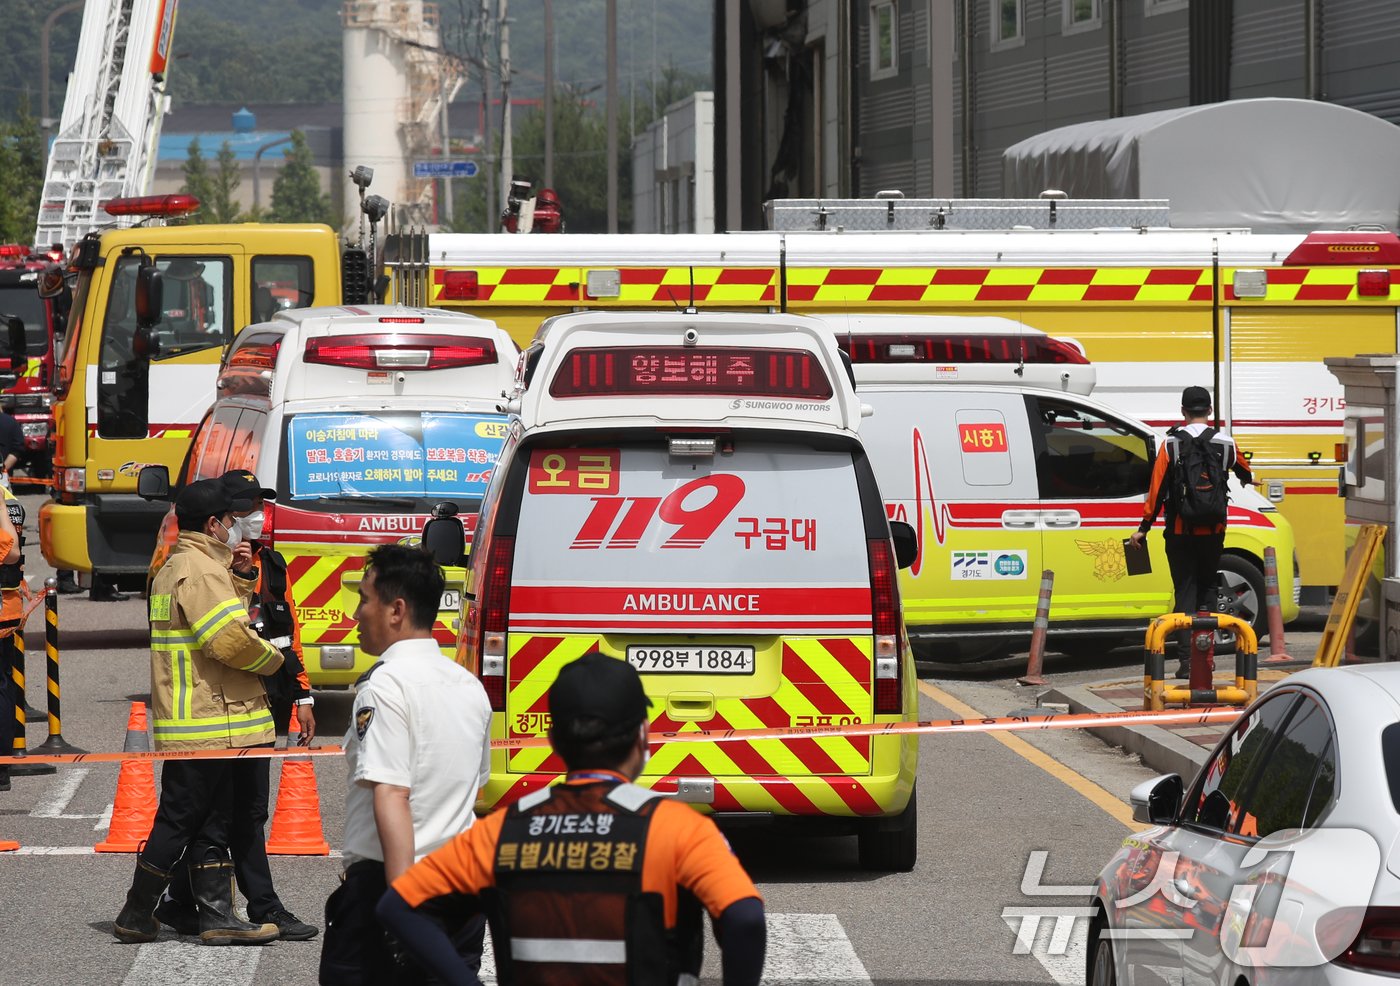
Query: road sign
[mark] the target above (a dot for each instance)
(444, 169)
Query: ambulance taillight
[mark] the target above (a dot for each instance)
(495, 611)
(960, 348)
(400, 352)
(690, 371)
(884, 593)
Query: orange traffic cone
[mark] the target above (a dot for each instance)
(296, 823)
(134, 807)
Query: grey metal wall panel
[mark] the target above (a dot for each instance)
(887, 109)
(1267, 52)
(1361, 38)
(1156, 60)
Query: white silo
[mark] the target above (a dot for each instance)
(395, 78)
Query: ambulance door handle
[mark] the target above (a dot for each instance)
(1061, 519)
(690, 706)
(1025, 520)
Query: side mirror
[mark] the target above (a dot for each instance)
(1156, 802)
(906, 543)
(150, 296)
(153, 483)
(446, 540)
(51, 282)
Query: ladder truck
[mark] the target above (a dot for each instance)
(106, 143)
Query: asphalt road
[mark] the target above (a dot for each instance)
(986, 805)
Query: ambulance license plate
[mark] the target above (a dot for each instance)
(451, 599)
(691, 659)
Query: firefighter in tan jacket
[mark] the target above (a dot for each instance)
(206, 694)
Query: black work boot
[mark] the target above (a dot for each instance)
(136, 923)
(212, 883)
(1183, 655)
(176, 908)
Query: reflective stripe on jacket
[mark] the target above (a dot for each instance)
(206, 659)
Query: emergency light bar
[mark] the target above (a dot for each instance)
(959, 348)
(151, 205)
(400, 352)
(676, 371)
(13, 250)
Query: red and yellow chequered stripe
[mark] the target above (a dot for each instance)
(745, 286)
(822, 680)
(638, 285)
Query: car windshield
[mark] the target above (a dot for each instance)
(389, 461)
(1390, 753)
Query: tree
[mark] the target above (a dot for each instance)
(296, 194)
(223, 188)
(21, 176)
(197, 181)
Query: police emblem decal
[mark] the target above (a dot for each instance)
(362, 720)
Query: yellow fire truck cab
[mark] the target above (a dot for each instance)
(689, 493)
(366, 420)
(153, 310)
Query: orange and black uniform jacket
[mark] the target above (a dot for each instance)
(585, 867)
(1158, 494)
(278, 613)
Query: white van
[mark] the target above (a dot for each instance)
(363, 419)
(984, 439)
(689, 493)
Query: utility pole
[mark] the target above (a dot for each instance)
(612, 115)
(445, 211)
(507, 150)
(46, 122)
(548, 93)
(486, 32)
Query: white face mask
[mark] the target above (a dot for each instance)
(231, 536)
(646, 750)
(251, 526)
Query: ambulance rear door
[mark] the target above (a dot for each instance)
(738, 583)
(958, 464)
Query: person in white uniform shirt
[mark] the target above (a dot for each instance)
(417, 751)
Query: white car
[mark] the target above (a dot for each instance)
(1281, 862)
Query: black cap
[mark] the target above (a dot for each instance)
(599, 687)
(1195, 399)
(209, 498)
(242, 483)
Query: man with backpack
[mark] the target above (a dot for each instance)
(1189, 479)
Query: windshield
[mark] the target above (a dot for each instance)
(389, 461)
(23, 300)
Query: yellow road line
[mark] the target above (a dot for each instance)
(1070, 778)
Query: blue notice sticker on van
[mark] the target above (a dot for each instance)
(393, 454)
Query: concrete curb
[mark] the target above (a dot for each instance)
(1159, 748)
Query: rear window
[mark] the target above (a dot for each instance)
(1390, 753)
(627, 531)
(390, 461)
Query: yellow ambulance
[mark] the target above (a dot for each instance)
(690, 493)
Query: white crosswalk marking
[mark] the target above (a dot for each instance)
(60, 793)
(810, 948)
(192, 964)
(802, 948)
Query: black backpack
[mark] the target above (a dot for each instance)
(1199, 486)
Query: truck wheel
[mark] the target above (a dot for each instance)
(1240, 588)
(891, 844)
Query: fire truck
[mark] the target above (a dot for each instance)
(153, 310)
(27, 291)
(1251, 316)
